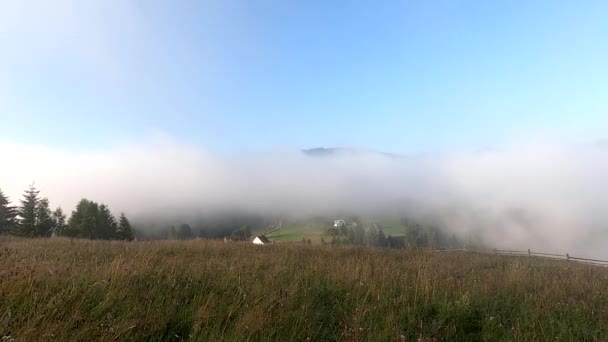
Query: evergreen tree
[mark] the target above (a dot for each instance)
(371, 238)
(8, 215)
(432, 237)
(333, 231)
(184, 232)
(381, 238)
(351, 236)
(359, 234)
(242, 233)
(59, 225)
(106, 226)
(44, 219)
(454, 243)
(27, 211)
(416, 236)
(124, 230)
(83, 222)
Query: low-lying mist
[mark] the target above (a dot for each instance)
(547, 197)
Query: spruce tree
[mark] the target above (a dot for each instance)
(44, 220)
(185, 232)
(124, 230)
(8, 215)
(381, 238)
(106, 224)
(27, 211)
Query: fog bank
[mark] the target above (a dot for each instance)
(544, 196)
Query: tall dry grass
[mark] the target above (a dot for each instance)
(60, 289)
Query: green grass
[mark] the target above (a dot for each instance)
(315, 230)
(62, 290)
(390, 224)
(295, 231)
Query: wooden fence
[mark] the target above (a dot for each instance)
(530, 253)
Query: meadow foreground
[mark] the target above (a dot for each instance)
(60, 289)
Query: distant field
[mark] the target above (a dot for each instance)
(62, 290)
(315, 231)
(294, 232)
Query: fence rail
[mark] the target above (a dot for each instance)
(529, 253)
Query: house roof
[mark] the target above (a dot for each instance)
(263, 238)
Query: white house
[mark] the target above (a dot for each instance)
(261, 240)
(339, 223)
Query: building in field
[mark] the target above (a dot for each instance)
(339, 223)
(261, 240)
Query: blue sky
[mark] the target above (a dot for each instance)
(407, 76)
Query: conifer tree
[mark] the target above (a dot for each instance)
(185, 232)
(124, 230)
(27, 211)
(381, 238)
(44, 220)
(105, 227)
(8, 215)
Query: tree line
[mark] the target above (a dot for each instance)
(33, 217)
(415, 235)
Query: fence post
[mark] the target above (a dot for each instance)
(529, 253)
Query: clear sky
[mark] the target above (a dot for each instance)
(402, 76)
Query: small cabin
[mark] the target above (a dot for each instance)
(339, 223)
(261, 240)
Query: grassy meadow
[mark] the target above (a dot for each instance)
(316, 230)
(61, 289)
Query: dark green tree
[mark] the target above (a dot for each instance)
(333, 231)
(44, 219)
(185, 232)
(124, 230)
(8, 215)
(359, 234)
(371, 236)
(93, 221)
(415, 236)
(242, 233)
(83, 222)
(27, 211)
(381, 238)
(454, 243)
(59, 224)
(351, 236)
(344, 230)
(106, 226)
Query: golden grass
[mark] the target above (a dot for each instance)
(60, 289)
